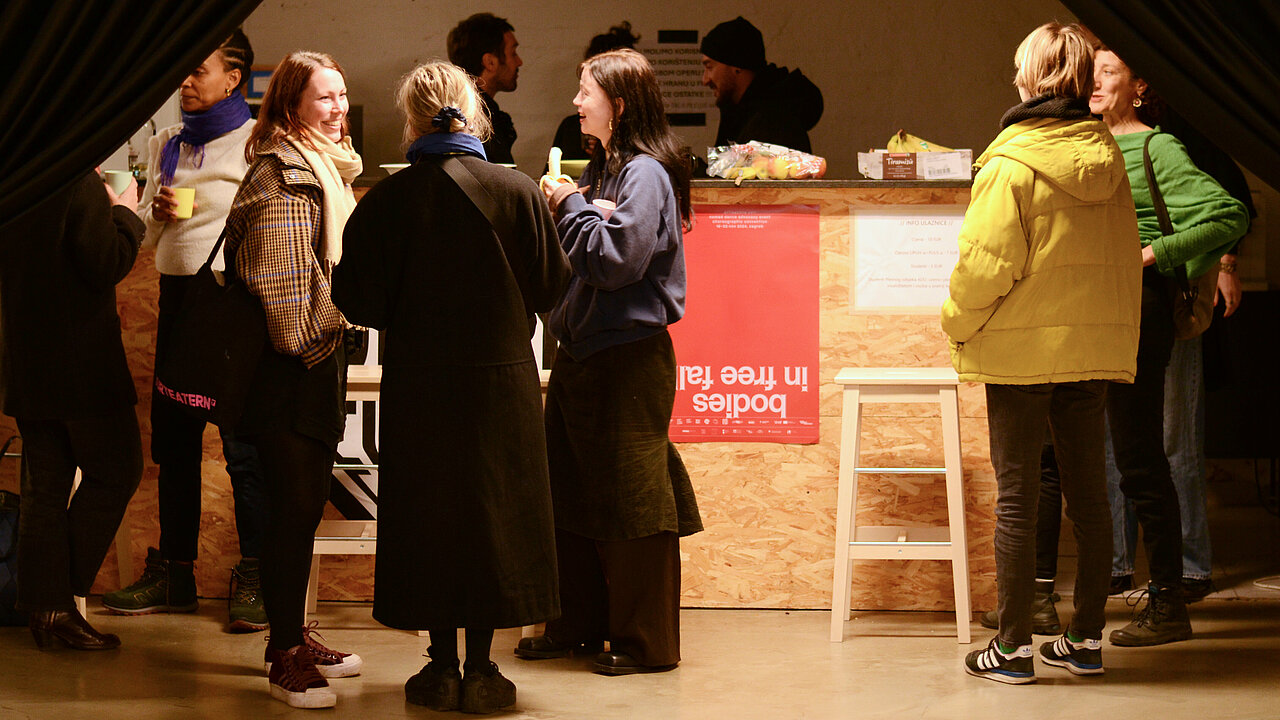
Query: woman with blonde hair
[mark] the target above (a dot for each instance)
(1043, 308)
(453, 256)
(284, 237)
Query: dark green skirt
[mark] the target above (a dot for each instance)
(615, 475)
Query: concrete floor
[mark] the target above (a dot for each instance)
(741, 664)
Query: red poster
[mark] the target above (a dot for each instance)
(747, 347)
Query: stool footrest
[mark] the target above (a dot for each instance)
(901, 471)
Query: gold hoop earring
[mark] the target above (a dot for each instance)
(1137, 102)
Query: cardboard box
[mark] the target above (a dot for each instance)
(951, 165)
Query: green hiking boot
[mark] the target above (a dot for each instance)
(245, 611)
(165, 586)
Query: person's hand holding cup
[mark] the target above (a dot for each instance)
(172, 204)
(122, 189)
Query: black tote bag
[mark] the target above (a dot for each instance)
(214, 348)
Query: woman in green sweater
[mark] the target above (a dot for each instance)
(1207, 221)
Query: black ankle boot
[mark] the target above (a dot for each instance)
(71, 629)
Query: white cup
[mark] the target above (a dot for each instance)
(117, 180)
(606, 207)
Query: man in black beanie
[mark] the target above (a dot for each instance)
(757, 100)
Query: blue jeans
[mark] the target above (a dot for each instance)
(1184, 427)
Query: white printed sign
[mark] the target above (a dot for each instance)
(902, 257)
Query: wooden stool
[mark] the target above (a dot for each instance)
(899, 385)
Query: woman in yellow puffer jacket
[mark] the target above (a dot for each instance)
(1044, 308)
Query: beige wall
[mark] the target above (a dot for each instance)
(942, 69)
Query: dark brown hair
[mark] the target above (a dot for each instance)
(471, 39)
(641, 128)
(1152, 108)
(619, 36)
(278, 116)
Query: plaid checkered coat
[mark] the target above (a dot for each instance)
(273, 232)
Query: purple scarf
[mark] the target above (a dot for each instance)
(198, 129)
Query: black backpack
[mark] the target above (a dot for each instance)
(9, 553)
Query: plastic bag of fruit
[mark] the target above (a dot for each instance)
(762, 161)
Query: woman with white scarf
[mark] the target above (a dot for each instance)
(284, 237)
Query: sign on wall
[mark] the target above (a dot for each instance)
(902, 257)
(747, 348)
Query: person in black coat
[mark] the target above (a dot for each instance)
(465, 532)
(757, 100)
(67, 383)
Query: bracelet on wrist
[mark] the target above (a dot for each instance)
(1227, 267)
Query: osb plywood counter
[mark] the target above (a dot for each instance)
(769, 509)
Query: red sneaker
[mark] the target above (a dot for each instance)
(295, 680)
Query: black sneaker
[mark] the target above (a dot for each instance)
(1044, 616)
(1196, 589)
(1163, 619)
(437, 686)
(1015, 669)
(1083, 658)
(485, 690)
(1120, 584)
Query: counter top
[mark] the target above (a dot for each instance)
(832, 183)
(370, 179)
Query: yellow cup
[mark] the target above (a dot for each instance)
(186, 198)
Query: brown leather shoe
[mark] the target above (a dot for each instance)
(70, 627)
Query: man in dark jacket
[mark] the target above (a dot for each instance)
(68, 385)
(485, 46)
(757, 100)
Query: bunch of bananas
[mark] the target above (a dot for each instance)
(904, 142)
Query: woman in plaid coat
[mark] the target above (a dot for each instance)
(284, 237)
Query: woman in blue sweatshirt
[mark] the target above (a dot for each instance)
(621, 494)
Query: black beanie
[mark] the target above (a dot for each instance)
(737, 43)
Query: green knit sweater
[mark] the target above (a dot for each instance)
(1207, 221)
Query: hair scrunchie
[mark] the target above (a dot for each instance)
(446, 116)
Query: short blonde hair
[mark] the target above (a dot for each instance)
(428, 88)
(1055, 59)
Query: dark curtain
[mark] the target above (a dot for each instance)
(80, 76)
(1217, 63)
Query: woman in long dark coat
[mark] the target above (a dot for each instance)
(465, 532)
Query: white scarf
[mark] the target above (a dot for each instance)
(335, 165)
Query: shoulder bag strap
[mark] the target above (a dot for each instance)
(476, 192)
(1162, 214)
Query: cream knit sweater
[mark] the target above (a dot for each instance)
(183, 246)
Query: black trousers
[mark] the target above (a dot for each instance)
(177, 447)
(1020, 417)
(1049, 515)
(1135, 413)
(298, 470)
(623, 591)
(61, 547)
